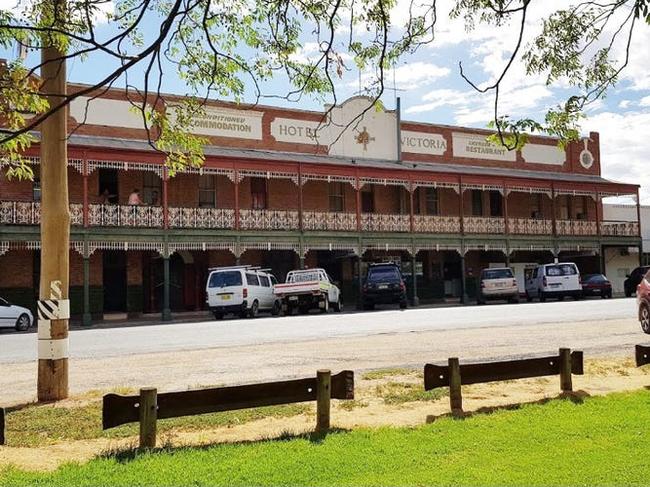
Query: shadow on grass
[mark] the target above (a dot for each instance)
(130, 453)
(576, 397)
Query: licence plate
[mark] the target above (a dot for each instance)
(225, 297)
(595, 290)
(293, 298)
(556, 284)
(382, 286)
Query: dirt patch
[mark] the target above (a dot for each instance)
(372, 407)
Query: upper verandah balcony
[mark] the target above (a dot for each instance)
(317, 198)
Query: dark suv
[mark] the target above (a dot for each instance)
(383, 285)
(633, 280)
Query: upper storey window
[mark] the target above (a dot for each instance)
(477, 202)
(207, 191)
(337, 196)
(258, 193)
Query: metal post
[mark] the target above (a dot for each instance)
(166, 312)
(359, 282)
(87, 317)
(463, 283)
(415, 299)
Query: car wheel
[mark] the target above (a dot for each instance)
(218, 315)
(23, 323)
(542, 297)
(277, 307)
(255, 307)
(644, 318)
(338, 306)
(326, 306)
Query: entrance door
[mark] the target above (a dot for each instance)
(108, 182)
(367, 199)
(114, 262)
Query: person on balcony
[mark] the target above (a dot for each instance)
(155, 199)
(134, 197)
(106, 198)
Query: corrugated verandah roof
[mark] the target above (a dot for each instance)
(114, 143)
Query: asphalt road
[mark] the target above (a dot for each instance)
(102, 343)
(189, 355)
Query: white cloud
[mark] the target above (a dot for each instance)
(624, 104)
(409, 76)
(645, 101)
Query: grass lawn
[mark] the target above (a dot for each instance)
(603, 441)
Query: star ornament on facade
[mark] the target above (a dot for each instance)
(364, 138)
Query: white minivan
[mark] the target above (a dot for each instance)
(241, 290)
(554, 280)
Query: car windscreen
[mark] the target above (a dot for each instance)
(497, 274)
(595, 278)
(305, 276)
(225, 279)
(561, 270)
(384, 274)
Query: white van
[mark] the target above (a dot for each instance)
(554, 280)
(241, 290)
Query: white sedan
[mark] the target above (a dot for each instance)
(15, 316)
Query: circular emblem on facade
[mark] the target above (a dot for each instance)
(586, 159)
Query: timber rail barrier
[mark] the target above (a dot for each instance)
(149, 406)
(454, 375)
(642, 354)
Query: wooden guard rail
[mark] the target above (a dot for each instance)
(149, 406)
(642, 353)
(454, 375)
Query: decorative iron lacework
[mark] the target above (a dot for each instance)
(201, 217)
(202, 246)
(579, 246)
(329, 178)
(244, 246)
(269, 219)
(406, 246)
(530, 226)
(577, 192)
(250, 173)
(33, 245)
(436, 224)
(229, 173)
(385, 182)
(606, 194)
(126, 246)
(437, 247)
(4, 248)
(486, 247)
(576, 227)
(435, 184)
(125, 166)
(532, 247)
(484, 187)
(323, 220)
(626, 229)
(35, 160)
(374, 222)
(331, 246)
(484, 224)
(530, 190)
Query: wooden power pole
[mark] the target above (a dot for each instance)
(55, 229)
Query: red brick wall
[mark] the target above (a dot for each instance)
(17, 269)
(77, 269)
(133, 268)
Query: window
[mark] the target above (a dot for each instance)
(151, 189)
(477, 202)
(496, 274)
(579, 207)
(258, 193)
(274, 281)
(404, 201)
(431, 200)
(207, 191)
(264, 281)
(563, 201)
(108, 186)
(561, 270)
(36, 184)
(225, 278)
(252, 279)
(337, 196)
(368, 199)
(496, 203)
(535, 205)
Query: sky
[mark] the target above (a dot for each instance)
(432, 90)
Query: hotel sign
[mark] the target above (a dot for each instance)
(225, 122)
(423, 143)
(477, 147)
(298, 131)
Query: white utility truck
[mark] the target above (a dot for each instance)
(307, 289)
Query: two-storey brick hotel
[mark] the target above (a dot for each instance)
(440, 199)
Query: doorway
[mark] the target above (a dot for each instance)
(114, 280)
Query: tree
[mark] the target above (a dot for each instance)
(232, 49)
